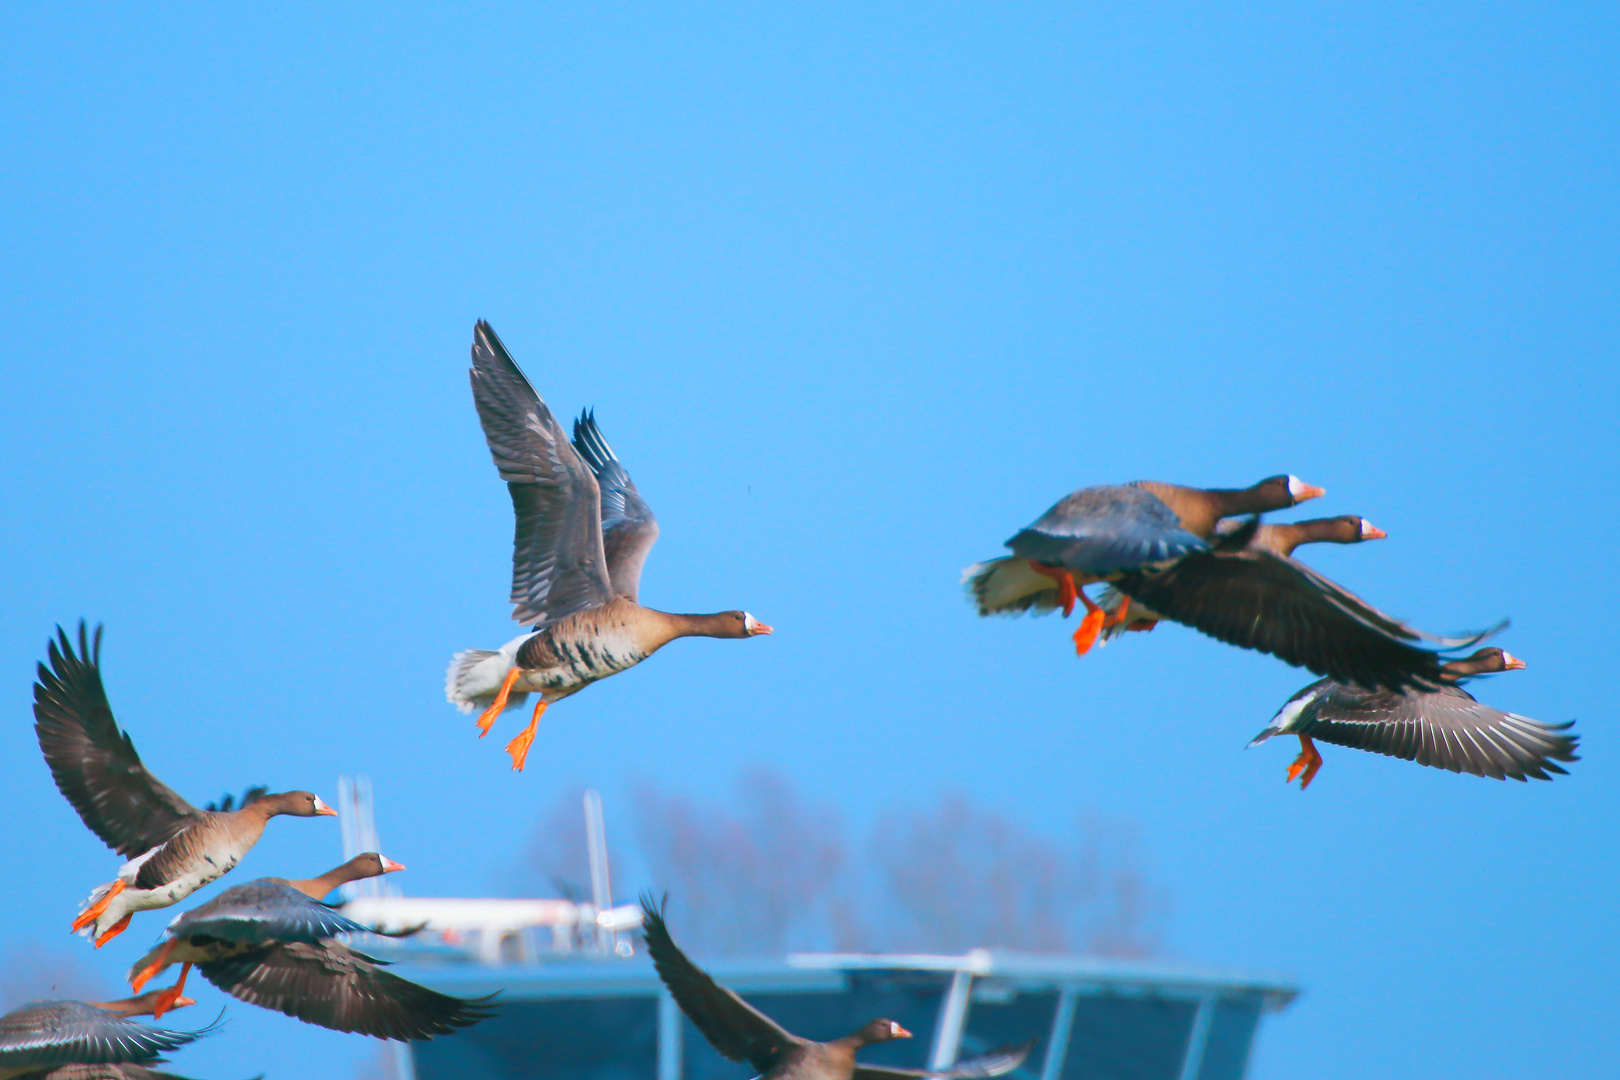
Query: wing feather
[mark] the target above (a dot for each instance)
(1001, 1060)
(629, 528)
(44, 1033)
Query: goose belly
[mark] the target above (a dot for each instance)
(562, 664)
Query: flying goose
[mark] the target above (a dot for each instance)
(583, 532)
(173, 848)
(86, 1040)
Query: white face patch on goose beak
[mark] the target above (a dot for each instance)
(752, 626)
(1369, 531)
(1299, 490)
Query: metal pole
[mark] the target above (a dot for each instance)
(596, 849)
(1198, 1038)
(404, 1063)
(1057, 1044)
(669, 1038)
(952, 1018)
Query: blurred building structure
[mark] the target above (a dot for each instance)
(580, 1001)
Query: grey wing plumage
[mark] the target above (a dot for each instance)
(121, 1071)
(1106, 530)
(47, 1033)
(628, 525)
(558, 564)
(263, 911)
(1446, 729)
(1273, 604)
(736, 1030)
(333, 986)
(997, 1062)
(95, 764)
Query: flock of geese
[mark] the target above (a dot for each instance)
(1199, 557)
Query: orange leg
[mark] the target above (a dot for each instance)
(94, 911)
(1085, 635)
(487, 718)
(1067, 592)
(170, 997)
(113, 931)
(519, 747)
(162, 961)
(1309, 761)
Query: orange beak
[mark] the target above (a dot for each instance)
(1309, 491)
(182, 1001)
(389, 865)
(1513, 662)
(760, 628)
(1372, 532)
(902, 1033)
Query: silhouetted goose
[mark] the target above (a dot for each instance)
(1243, 594)
(271, 943)
(739, 1032)
(81, 1040)
(174, 848)
(1097, 533)
(1279, 538)
(1444, 728)
(583, 532)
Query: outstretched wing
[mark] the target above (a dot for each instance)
(263, 911)
(95, 765)
(558, 566)
(1001, 1060)
(44, 1033)
(628, 525)
(1106, 530)
(736, 1029)
(1446, 729)
(335, 987)
(1259, 600)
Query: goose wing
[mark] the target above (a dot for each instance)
(1271, 603)
(336, 987)
(264, 911)
(628, 525)
(736, 1029)
(1001, 1060)
(1446, 729)
(95, 764)
(558, 565)
(44, 1033)
(1105, 530)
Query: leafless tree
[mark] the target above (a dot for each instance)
(760, 878)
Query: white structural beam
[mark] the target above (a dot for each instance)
(669, 1038)
(1198, 1038)
(1057, 1044)
(952, 1019)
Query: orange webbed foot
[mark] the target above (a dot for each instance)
(487, 718)
(1067, 592)
(171, 998)
(113, 931)
(1305, 766)
(1085, 635)
(519, 747)
(95, 910)
(158, 964)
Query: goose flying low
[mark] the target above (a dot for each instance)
(173, 848)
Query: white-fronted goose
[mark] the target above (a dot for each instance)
(271, 943)
(583, 532)
(739, 1032)
(1279, 538)
(173, 848)
(1444, 728)
(86, 1040)
(1097, 533)
(1242, 593)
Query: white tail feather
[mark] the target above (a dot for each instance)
(1007, 586)
(476, 674)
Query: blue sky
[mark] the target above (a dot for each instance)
(856, 293)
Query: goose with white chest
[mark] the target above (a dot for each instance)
(583, 533)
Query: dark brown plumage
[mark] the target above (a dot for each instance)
(740, 1032)
(1445, 728)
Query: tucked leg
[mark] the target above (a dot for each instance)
(519, 747)
(166, 1000)
(162, 961)
(487, 717)
(1065, 583)
(1085, 635)
(113, 931)
(95, 910)
(1308, 762)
